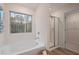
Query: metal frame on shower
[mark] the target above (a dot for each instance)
(54, 31)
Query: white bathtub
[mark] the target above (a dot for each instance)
(21, 48)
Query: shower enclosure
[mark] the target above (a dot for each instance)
(54, 32)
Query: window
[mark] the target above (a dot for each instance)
(20, 23)
(1, 21)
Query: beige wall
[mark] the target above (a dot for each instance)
(42, 23)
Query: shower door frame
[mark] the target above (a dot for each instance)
(66, 32)
(54, 31)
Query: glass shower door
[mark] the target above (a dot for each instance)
(53, 32)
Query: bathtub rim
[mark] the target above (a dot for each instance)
(27, 50)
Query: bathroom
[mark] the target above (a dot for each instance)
(36, 27)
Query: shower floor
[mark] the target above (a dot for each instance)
(62, 51)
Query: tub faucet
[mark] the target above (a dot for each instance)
(37, 36)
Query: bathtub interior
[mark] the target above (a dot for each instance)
(20, 47)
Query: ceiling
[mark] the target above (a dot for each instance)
(53, 6)
(34, 6)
